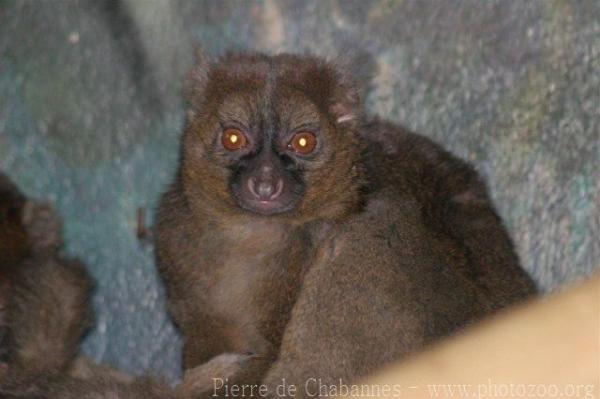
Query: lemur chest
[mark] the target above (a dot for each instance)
(253, 284)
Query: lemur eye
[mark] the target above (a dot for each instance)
(233, 139)
(303, 143)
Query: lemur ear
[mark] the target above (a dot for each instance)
(346, 107)
(346, 103)
(354, 74)
(197, 78)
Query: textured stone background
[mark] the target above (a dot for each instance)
(90, 113)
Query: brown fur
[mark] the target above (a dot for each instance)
(13, 248)
(393, 244)
(13, 240)
(45, 296)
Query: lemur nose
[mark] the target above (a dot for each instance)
(265, 189)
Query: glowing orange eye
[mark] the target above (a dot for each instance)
(233, 139)
(303, 143)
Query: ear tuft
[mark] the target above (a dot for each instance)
(346, 104)
(354, 73)
(343, 113)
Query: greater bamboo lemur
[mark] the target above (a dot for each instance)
(319, 242)
(45, 310)
(43, 296)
